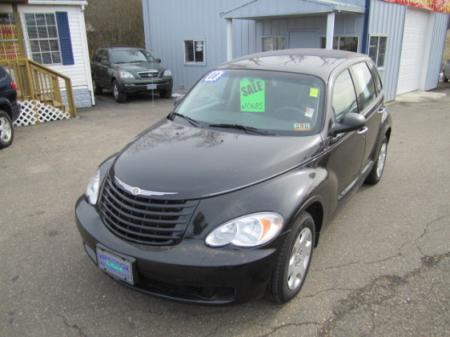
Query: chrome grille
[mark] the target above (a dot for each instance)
(144, 220)
(148, 74)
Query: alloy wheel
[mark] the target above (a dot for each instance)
(5, 130)
(381, 160)
(300, 259)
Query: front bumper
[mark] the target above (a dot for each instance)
(141, 86)
(189, 271)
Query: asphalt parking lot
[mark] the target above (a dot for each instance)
(382, 267)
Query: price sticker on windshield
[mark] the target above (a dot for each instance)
(253, 95)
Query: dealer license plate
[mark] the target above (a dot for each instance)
(115, 265)
(151, 86)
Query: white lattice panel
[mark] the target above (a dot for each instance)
(34, 112)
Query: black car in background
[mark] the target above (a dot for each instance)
(127, 70)
(9, 108)
(225, 198)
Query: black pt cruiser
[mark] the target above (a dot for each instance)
(224, 200)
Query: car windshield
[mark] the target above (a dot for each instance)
(276, 102)
(131, 56)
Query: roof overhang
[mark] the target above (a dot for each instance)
(260, 9)
(58, 2)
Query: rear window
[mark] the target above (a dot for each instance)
(283, 103)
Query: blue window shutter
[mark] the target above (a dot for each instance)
(64, 38)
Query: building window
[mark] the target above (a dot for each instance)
(194, 51)
(43, 37)
(273, 43)
(348, 43)
(377, 49)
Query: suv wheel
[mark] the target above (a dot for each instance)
(6, 130)
(377, 171)
(294, 260)
(165, 93)
(119, 96)
(97, 89)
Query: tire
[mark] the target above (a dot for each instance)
(377, 170)
(284, 286)
(165, 93)
(118, 95)
(445, 79)
(98, 90)
(6, 130)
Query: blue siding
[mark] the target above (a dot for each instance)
(388, 19)
(193, 19)
(439, 33)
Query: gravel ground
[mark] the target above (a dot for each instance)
(382, 267)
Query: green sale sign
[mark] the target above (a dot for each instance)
(253, 95)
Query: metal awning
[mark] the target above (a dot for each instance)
(259, 9)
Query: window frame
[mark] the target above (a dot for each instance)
(274, 37)
(194, 63)
(339, 41)
(378, 36)
(48, 39)
(363, 109)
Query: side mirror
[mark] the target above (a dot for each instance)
(352, 121)
(157, 60)
(178, 100)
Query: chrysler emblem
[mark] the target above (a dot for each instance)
(134, 190)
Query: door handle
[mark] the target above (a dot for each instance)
(362, 130)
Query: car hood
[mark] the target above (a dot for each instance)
(139, 67)
(187, 162)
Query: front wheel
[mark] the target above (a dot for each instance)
(166, 93)
(377, 171)
(6, 130)
(119, 96)
(294, 259)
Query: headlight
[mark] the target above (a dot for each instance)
(125, 74)
(92, 188)
(167, 73)
(247, 231)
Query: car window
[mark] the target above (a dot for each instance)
(376, 78)
(282, 103)
(365, 87)
(130, 56)
(344, 96)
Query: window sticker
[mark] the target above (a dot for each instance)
(302, 126)
(214, 76)
(253, 95)
(314, 92)
(309, 112)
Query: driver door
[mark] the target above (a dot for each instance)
(346, 149)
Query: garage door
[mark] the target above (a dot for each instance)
(412, 57)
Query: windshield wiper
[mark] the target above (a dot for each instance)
(189, 119)
(248, 129)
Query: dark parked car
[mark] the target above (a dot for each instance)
(127, 70)
(9, 108)
(225, 198)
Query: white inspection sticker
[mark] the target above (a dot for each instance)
(214, 76)
(309, 112)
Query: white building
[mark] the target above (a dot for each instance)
(54, 34)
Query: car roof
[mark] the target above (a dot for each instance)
(318, 62)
